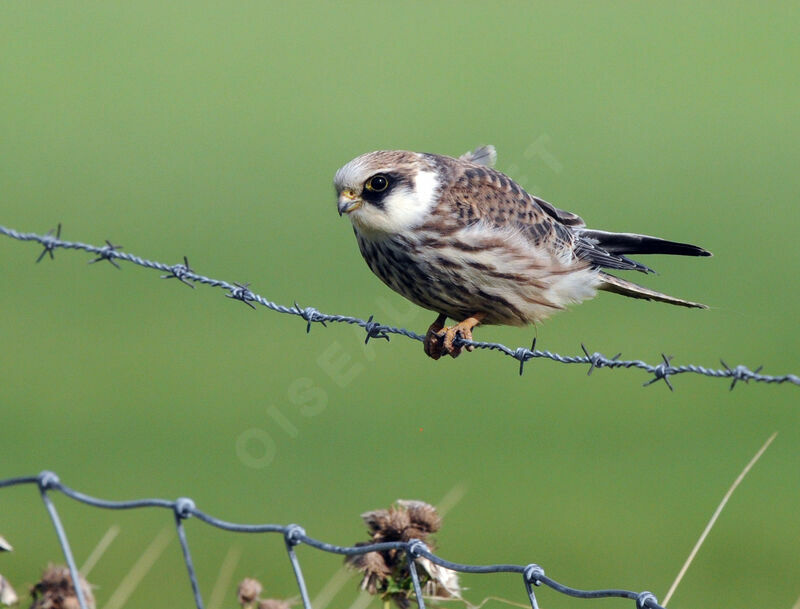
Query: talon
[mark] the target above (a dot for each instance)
(440, 340)
(433, 339)
(450, 335)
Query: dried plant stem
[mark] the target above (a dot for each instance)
(99, 549)
(332, 588)
(714, 517)
(140, 569)
(451, 499)
(224, 578)
(362, 601)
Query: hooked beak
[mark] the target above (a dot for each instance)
(348, 201)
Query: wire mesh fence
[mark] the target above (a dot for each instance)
(663, 370)
(294, 535)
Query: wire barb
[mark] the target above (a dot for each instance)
(310, 314)
(374, 330)
(662, 371)
(598, 360)
(108, 252)
(241, 291)
(180, 272)
(523, 355)
(739, 373)
(50, 243)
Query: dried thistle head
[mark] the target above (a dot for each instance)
(373, 566)
(386, 572)
(404, 521)
(55, 590)
(441, 582)
(248, 591)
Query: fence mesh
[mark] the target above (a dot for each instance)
(663, 370)
(183, 508)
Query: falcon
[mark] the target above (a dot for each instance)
(459, 238)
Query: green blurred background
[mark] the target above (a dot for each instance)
(214, 129)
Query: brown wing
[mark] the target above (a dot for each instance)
(477, 193)
(480, 193)
(563, 216)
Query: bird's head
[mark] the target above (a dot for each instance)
(388, 191)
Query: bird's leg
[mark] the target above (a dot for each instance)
(433, 339)
(462, 329)
(439, 340)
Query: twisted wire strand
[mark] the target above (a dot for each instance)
(374, 330)
(184, 508)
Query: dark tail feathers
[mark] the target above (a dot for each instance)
(630, 243)
(634, 290)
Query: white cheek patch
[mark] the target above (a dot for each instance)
(407, 209)
(403, 209)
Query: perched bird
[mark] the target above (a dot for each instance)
(462, 239)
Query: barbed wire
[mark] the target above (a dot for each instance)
(374, 330)
(294, 535)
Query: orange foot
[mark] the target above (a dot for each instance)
(439, 340)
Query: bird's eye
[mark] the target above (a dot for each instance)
(378, 183)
